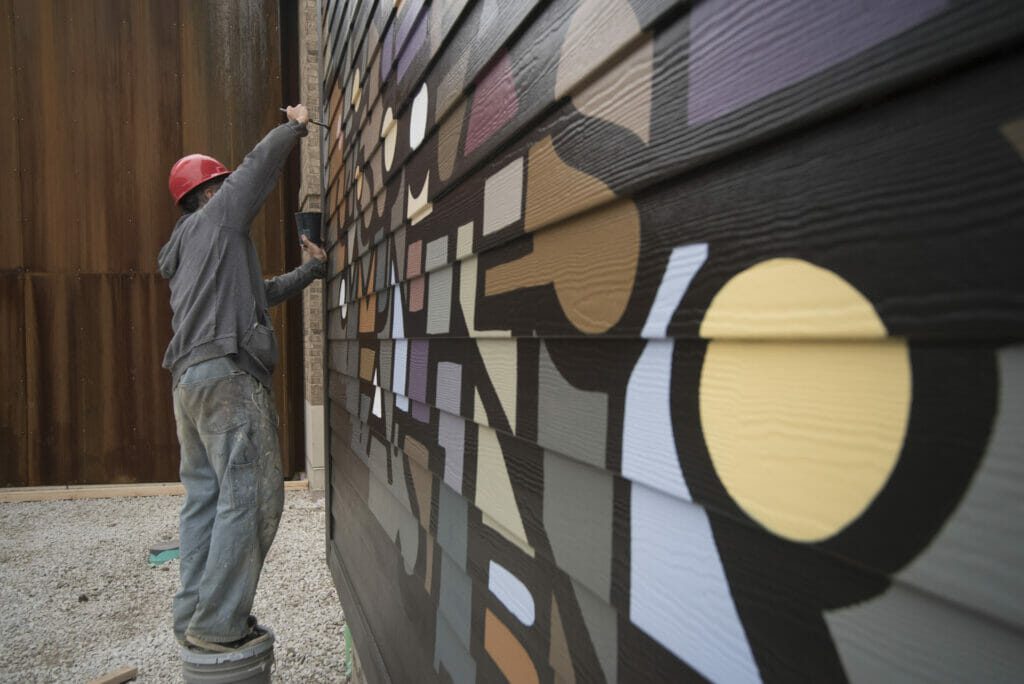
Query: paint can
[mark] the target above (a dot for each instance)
(308, 223)
(250, 665)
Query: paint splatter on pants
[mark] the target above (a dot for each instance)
(234, 495)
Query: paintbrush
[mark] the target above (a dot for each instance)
(282, 109)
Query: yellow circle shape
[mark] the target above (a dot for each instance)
(803, 433)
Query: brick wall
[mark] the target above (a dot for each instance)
(309, 200)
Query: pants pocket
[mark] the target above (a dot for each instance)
(244, 484)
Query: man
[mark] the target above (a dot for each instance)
(221, 357)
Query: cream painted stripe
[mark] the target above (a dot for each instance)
(16, 494)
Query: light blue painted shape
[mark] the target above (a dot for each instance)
(679, 594)
(511, 591)
(683, 264)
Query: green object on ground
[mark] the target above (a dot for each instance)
(347, 662)
(162, 557)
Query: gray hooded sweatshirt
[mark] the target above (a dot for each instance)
(218, 296)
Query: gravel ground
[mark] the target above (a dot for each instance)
(78, 598)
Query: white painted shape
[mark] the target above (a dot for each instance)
(683, 264)
(503, 197)
(648, 444)
(376, 396)
(314, 421)
(398, 327)
(679, 594)
(510, 590)
(464, 244)
(418, 118)
(401, 351)
(437, 254)
(341, 299)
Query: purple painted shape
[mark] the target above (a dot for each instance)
(494, 104)
(421, 412)
(735, 60)
(418, 352)
(410, 11)
(409, 52)
(449, 387)
(387, 53)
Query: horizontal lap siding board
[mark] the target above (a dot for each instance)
(793, 428)
(677, 148)
(880, 194)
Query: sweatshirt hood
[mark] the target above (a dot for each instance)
(170, 253)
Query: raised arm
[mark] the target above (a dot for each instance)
(242, 195)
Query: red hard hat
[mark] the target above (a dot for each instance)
(192, 171)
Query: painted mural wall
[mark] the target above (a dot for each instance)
(676, 341)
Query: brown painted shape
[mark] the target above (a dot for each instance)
(448, 141)
(417, 451)
(368, 304)
(547, 179)
(428, 575)
(367, 357)
(507, 653)
(558, 655)
(622, 95)
(1014, 132)
(421, 483)
(590, 259)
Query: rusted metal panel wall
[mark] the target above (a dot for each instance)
(676, 341)
(99, 100)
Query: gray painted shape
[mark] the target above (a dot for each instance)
(908, 636)
(399, 240)
(360, 441)
(398, 209)
(381, 276)
(384, 359)
(352, 396)
(570, 420)
(450, 651)
(451, 434)
(602, 624)
(578, 513)
(449, 387)
(352, 363)
(364, 407)
(437, 253)
(452, 524)
(439, 302)
(978, 557)
(455, 599)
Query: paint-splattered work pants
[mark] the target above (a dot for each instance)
(234, 495)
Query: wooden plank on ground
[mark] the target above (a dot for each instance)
(113, 491)
(121, 674)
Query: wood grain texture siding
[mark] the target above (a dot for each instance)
(626, 349)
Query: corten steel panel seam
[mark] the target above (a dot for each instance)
(12, 181)
(288, 57)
